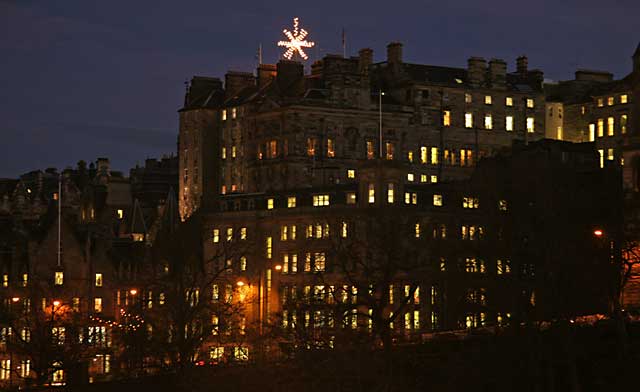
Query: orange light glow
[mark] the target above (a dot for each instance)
(278, 267)
(56, 303)
(133, 291)
(598, 233)
(15, 299)
(240, 283)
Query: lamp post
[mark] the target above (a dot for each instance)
(380, 94)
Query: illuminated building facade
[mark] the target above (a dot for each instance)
(282, 129)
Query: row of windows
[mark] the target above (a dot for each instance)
(353, 320)
(488, 123)
(598, 128)
(622, 99)
(58, 279)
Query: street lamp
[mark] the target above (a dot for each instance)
(598, 233)
(380, 94)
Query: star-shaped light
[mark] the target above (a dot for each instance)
(296, 41)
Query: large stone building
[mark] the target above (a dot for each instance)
(283, 129)
(444, 162)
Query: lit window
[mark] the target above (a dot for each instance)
(269, 204)
(372, 193)
(423, 178)
(446, 118)
(370, 150)
(592, 132)
(75, 303)
(466, 157)
(216, 235)
(488, 121)
(600, 127)
(233, 151)
(390, 193)
(530, 102)
(269, 243)
(417, 230)
(320, 200)
(243, 263)
(389, 151)
(610, 125)
(502, 205)
(503, 267)
(467, 98)
(97, 305)
(470, 202)
(272, 149)
(243, 233)
(530, 125)
(508, 101)
(434, 155)
(610, 155)
(437, 200)
(601, 152)
(624, 98)
(600, 102)
(319, 262)
(311, 146)
(291, 202)
(25, 280)
(98, 280)
(234, 112)
(223, 153)
(345, 228)
(509, 123)
(423, 154)
(351, 173)
(610, 101)
(224, 114)
(559, 133)
(5, 369)
(487, 99)
(468, 120)
(25, 368)
(623, 124)
(120, 213)
(351, 198)
(410, 177)
(331, 148)
(434, 178)
(410, 156)
(223, 190)
(59, 278)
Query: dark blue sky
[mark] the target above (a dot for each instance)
(81, 79)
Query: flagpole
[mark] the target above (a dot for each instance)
(344, 44)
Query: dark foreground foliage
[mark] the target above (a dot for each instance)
(563, 358)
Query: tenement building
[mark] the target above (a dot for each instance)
(284, 129)
(399, 199)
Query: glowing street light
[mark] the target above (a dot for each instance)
(278, 267)
(133, 291)
(56, 303)
(240, 283)
(598, 233)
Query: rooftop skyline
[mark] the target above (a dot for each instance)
(87, 80)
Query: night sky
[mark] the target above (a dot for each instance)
(86, 79)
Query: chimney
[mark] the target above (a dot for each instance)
(477, 69)
(235, 81)
(522, 64)
(394, 53)
(266, 73)
(593, 76)
(497, 72)
(103, 166)
(365, 59)
(287, 72)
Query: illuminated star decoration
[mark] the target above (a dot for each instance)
(296, 41)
